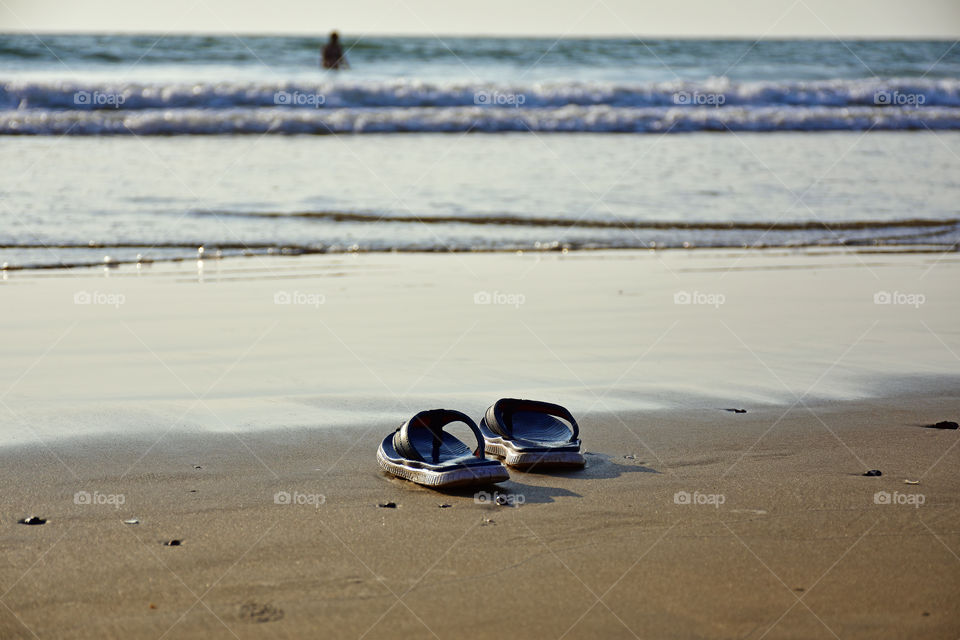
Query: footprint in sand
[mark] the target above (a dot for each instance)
(260, 612)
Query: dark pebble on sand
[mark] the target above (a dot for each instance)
(445, 505)
(873, 472)
(32, 520)
(173, 543)
(387, 505)
(736, 410)
(943, 424)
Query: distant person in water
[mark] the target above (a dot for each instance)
(333, 57)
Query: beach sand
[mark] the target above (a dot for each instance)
(228, 409)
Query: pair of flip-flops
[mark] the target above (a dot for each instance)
(524, 433)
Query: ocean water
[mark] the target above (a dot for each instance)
(148, 147)
(149, 85)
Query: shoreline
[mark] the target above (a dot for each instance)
(271, 252)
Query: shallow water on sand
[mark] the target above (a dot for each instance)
(367, 340)
(162, 198)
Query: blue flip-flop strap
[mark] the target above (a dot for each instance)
(433, 420)
(499, 417)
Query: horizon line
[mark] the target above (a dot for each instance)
(537, 36)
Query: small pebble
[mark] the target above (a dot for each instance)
(445, 505)
(736, 410)
(196, 466)
(131, 521)
(911, 482)
(173, 543)
(487, 521)
(873, 472)
(944, 424)
(387, 505)
(32, 520)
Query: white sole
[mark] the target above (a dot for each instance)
(467, 476)
(553, 459)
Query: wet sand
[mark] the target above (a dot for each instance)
(253, 445)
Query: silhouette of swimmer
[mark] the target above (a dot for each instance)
(333, 57)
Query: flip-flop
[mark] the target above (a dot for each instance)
(422, 452)
(527, 433)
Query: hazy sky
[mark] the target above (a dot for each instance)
(748, 18)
